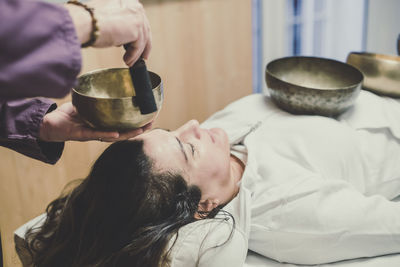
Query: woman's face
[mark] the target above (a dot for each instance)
(201, 156)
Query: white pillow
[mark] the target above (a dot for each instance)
(209, 243)
(201, 244)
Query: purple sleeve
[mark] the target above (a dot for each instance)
(39, 56)
(39, 49)
(20, 120)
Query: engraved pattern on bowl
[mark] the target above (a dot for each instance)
(311, 85)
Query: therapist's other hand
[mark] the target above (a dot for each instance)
(63, 124)
(120, 22)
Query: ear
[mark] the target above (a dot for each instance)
(206, 206)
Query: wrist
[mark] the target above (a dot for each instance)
(44, 130)
(82, 22)
(94, 29)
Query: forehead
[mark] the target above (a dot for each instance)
(163, 148)
(157, 137)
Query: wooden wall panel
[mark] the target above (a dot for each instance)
(202, 51)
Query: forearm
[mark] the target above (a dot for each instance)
(39, 49)
(81, 20)
(19, 128)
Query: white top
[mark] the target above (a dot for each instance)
(316, 189)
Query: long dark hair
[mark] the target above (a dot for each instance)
(123, 214)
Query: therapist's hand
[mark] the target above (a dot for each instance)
(63, 124)
(120, 22)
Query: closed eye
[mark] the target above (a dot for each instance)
(192, 147)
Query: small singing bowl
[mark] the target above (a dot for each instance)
(105, 100)
(312, 85)
(381, 72)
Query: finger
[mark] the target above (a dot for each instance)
(128, 53)
(148, 38)
(87, 134)
(67, 108)
(146, 51)
(131, 55)
(147, 126)
(130, 134)
(134, 56)
(124, 135)
(137, 53)
(147, 48)
(138, 49)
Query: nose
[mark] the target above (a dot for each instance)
(191, 128)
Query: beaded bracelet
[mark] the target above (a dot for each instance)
(95, 29)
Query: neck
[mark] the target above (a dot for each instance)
(237, 169)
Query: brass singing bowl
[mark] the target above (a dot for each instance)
(381, 72)
(105, 100)
(312, 85)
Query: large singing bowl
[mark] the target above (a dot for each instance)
(312, 85)
(105, 100)
(381, 72)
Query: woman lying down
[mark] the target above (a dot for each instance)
(298, 189)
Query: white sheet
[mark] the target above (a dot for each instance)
(255, 260)
(393, 260)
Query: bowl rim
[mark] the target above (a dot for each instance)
(376, 56)
(316, 89)
(113, 98)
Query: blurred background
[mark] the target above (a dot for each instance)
(322, 28)
(208, 53)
